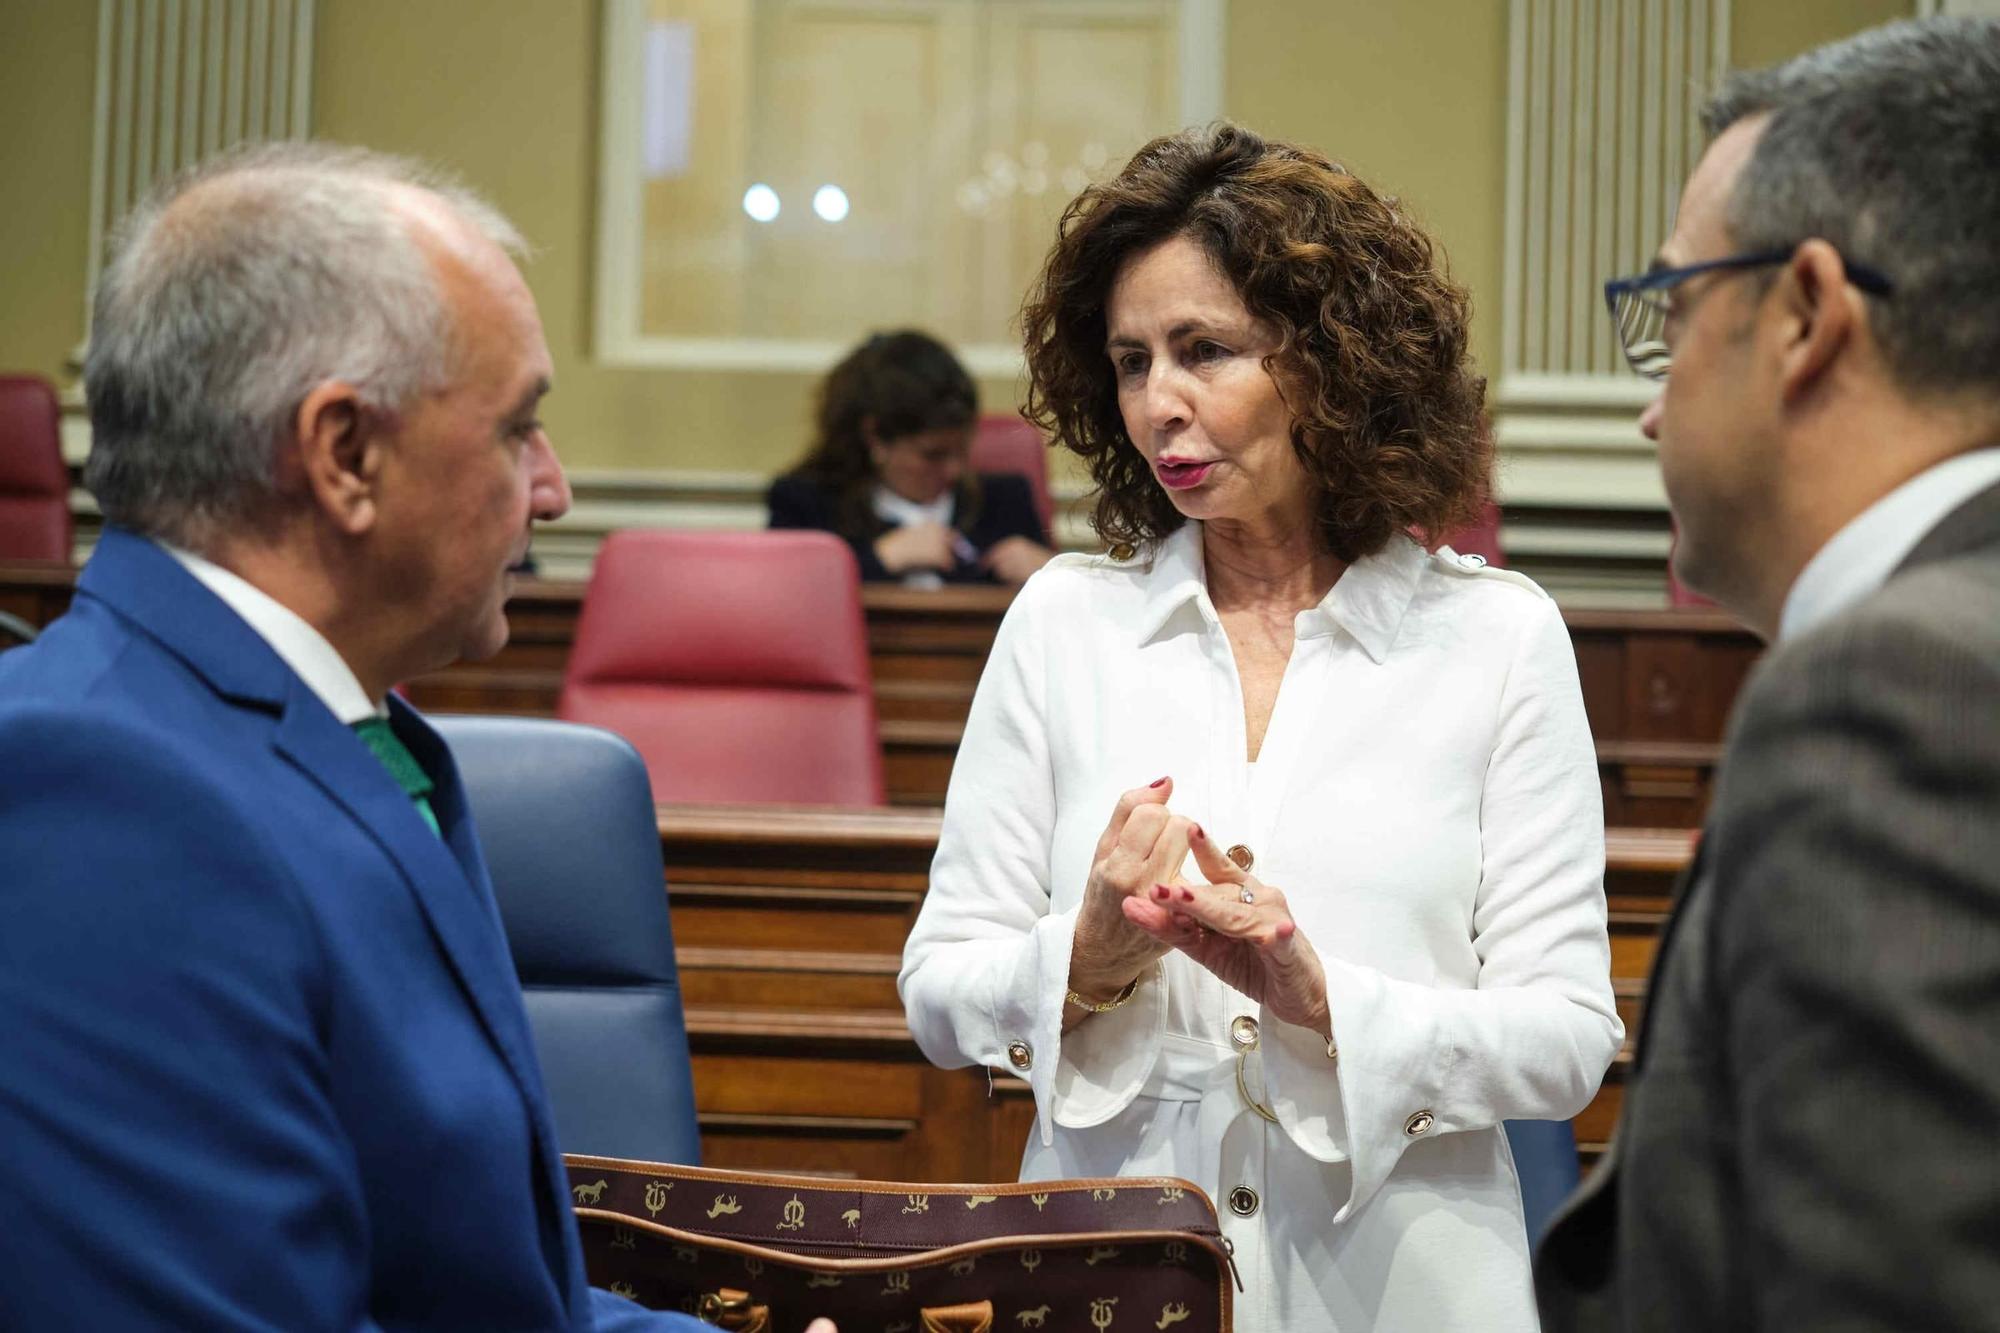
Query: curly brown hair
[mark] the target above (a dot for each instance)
(1388, 417)
(903, 382)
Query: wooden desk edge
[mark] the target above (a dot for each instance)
(1655, 850)
(798, 825)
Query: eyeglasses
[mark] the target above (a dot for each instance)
(1639, 309)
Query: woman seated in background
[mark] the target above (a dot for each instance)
(888, 473)
(1404, 943)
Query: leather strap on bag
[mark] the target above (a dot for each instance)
(972, 1317)
(731, 1309)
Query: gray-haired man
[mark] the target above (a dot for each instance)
(263, 1058)
(1809, 1132)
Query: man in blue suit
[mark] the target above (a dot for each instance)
(263, 1058)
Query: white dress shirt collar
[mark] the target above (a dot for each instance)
(1861, 556)
(893, 508)
(303, 648)
(1368, 601)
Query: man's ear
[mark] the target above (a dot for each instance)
(1820, 317)
(341, 446)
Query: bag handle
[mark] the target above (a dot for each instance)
(971, 1317)
(731, 1309)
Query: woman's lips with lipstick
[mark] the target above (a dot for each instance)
(1178, 475)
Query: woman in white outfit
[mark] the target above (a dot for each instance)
(1347, 912)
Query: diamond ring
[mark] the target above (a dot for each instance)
(1248, 896)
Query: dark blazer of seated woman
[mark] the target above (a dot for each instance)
(987, 509)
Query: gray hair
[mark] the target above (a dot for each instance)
(1887, 145)
(217, 315)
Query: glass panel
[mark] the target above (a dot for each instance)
(817, 168)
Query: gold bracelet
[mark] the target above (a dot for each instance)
(1110, 1004)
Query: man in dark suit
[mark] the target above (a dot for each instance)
(263, 1057)
(1808, 1139)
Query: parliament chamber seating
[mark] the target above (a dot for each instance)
(1006, 442)
(789, 921)
(567, 824)
(736, 662)
(35, 522)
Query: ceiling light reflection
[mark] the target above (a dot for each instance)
(760, 201)
(830, 202)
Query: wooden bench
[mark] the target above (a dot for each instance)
(789, 925)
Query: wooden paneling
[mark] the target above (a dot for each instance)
(1658, 686)
(789, 924)
(35, 591)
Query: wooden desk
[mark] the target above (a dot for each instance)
(35, 590)
(789, 925)
(1658, 685)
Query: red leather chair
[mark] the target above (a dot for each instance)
(1005, 442)
(35, 521)
(1482, 538)
(735, 662)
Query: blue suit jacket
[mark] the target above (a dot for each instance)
(263, 1059)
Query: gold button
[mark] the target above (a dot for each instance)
(1020, 1054)
(1122, 551)
(1242, 856)
(1243, 1201)
(1419, 1124)
(1243, 1031)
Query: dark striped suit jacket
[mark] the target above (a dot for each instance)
(1811, 1136)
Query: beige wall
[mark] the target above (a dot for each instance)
(45, 122)
(1411, 95)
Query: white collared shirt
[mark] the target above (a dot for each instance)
(1427, 798)
(1861, 556)
(893, 508)
(302, 648)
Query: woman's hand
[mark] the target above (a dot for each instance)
(1012, 559)
(916, 546)
(1143, 845)
(1253, 946)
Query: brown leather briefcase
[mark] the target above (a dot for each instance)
(766, 1253)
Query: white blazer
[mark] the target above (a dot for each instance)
(1426, 796)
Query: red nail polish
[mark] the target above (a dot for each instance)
(1187, 895)
(1161, 891)
(1161, 783)
(1198, 834)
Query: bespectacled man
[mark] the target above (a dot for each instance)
(1807, 1136)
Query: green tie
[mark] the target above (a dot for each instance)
(380, 737)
